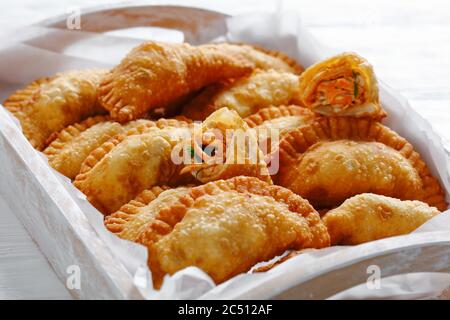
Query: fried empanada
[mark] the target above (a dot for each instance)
(226, 148)
(156, 74)
(73, 144)
(265, 59)
(278, 120)
(223, 227)
(246, 95)
(131, 220)
(368, 217)
(127, 164)
(49, 105)
(336, 158)
(343, 85)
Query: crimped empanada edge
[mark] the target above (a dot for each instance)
(116, 221)
(169, 216)
(275, 112)
(21, 98)
(95, 157)
(297, 68)
(297, 141)
(57, 140)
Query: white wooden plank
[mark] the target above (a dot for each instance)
(24, 271)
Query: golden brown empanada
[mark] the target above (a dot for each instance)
(131, 220)
(156, 74)
(368, 217)
(122, 167)
(73, 144)
(246, 95)
(235, 147)
(223, 227)
(343, 85)
(49, 105)
(277, 120)
(335, 158)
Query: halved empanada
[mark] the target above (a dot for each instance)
(368, 217)
(49, 105)
(121, 168)
(224, 147)
(154, 75)
(335, 158)
(246, 95)
(223, 227)
(343, 85)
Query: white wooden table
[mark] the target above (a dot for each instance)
(407, 41)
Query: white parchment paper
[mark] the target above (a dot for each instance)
(46, 51)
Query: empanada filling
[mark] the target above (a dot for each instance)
(340, 93)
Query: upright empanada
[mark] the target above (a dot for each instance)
(226, 147)
(49, 105)
(223, 227)
(336, 158)
(343, 85)
(127, 164)
(368, 217)
(156, 74)
(246, 95)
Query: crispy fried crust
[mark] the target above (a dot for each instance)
(127, 164)
(128, 222)
(48, 105)
(343, 85)
(368, 217)
(272, 123)
(246, 95)
(307, 152)
(266, 115)
(253, 185)
(294, 66)
(142, 126)
(154, 75)
(73, 144)
(248, 208)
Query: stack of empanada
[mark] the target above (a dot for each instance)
(277, 145)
